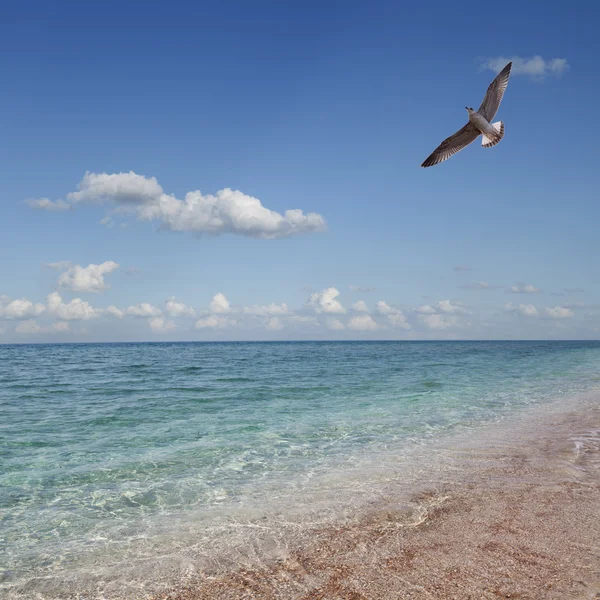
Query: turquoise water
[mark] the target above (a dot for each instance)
(102, 445)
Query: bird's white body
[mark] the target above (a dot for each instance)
(481, 123)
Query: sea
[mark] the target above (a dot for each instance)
(124, 467)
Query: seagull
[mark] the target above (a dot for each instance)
(479, 123)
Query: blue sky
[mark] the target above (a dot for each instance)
(254, 109)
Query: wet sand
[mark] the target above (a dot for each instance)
(519, 519)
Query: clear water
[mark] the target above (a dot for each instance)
(102, 445)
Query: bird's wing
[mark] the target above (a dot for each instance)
(491, 103)
(450, 146)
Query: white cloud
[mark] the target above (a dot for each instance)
(439, 321)
(559, 312)
(20, 308)
(426, 309)
(113, 311)
(399, 320)
(46, 204)
(447, 307)
(87, 279)
(214, 321)
(76, 310)
(228, 211)
(524, 288)
(383, 308)
(395, 315)
(145, 310)
(325, 302)
(220, 304)
(272, 309)
(360, 306)
(443, 306)
(526, 310)
(362, 323)
(178, 309)
(274, 323)
(30, 327)
(335, 325)
(536, 66)
(443, 315)
(159, 325)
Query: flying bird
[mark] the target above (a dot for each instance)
(479, 123)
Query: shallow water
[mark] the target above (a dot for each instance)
(119, 454)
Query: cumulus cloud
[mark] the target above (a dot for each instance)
(160, 325)
(20, 308)
(360, 306)
(362, 323)
(438, 321)
(113, 311)
(536, 66)
(30, 327)
(559, 312)
(274, 323)
(443, 306)
(214, 321)
(75, 310)
(449, 308)
(178, 309)
(335, 325)
(443, 315)
(395, 316)
(227, 211)
(87, 279)
(524, 288)
(325, 302)
(220, 304)
(268, 310)
(46, 204)
(144, 310)
(425, 309)
(525, 310)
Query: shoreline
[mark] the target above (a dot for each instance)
(504, 511)
(521, 521)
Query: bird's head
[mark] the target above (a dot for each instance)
(469, 110)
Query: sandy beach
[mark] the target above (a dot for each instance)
(522, 521)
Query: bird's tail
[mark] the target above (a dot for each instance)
(492, 140)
